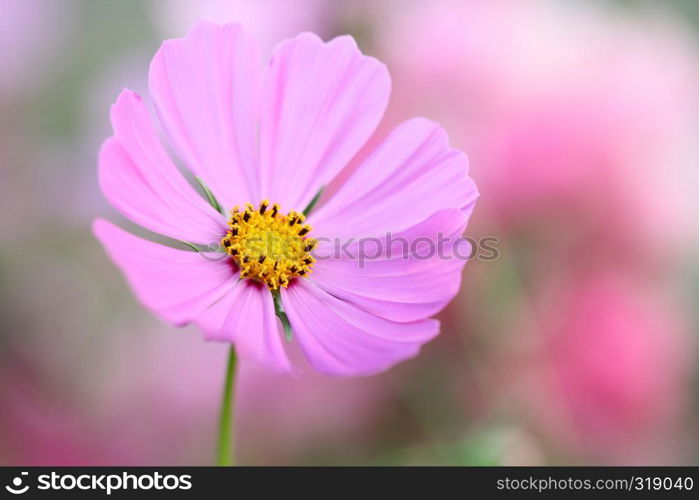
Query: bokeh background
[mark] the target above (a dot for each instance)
(578, 345)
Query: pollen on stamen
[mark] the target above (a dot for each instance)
(269, 246)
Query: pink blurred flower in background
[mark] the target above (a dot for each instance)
(607, 374)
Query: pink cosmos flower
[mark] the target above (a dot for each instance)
(265, 140)
(610, 373)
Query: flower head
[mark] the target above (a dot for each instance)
(260, 139)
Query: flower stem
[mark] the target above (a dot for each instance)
(225, 425)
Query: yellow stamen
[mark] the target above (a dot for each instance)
(269, 246)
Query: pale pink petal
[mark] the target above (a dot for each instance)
(339, 338)
(405, 277)
(245, 316)
(176, 285)
(411, 175)
(320, 103)
(205, 88)
(139, 179)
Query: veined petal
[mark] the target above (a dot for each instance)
(140, 180)
(205, 88)
(177, 285)
(411, 175)
(245, 316)
(405, 276)
(320, 103)
(339, 338)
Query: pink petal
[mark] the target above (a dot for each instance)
(177, 285)
(320, 102)
(245, 316)
(139, 179)
(403, 285)
(341, 339)
(411, 175)
(205, 87)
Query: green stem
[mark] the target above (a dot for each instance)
(225, 425)
(313, 202)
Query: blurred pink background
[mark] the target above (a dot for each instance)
(577, 345)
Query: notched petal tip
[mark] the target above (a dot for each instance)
(99, 226)
(204, 27)
(127, 93)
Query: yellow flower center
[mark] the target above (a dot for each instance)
(269, 246)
